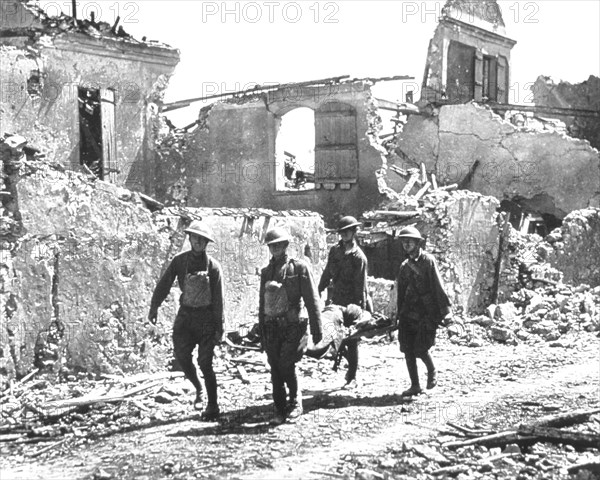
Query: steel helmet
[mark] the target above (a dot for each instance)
(277, 235)
(199, 228)
(347, 222)
(410, 232)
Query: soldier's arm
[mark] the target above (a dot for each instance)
(217, 295)
(437, 288)
(327, 273)
(261, 301)
(163, 287)
(401, 289)
(359, 282)
(311, 300)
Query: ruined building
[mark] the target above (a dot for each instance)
(233, 156)
(577, 105)
(83, 90)
(470, 135)
(469, 55)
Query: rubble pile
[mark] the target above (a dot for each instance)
(462, 233)
(576, 247)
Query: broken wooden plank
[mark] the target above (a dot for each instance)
(143, 377)
(434, 185)
(84, 401)
(470, 430)
(11, 437)
(399, 171)
(452, 186)
(563, 419)
(556, 435)
(396, 213)
(494, 440)
(243, 374)
(409, 184)
(421, 192)
(423, 174)
(453, 471)
(500, 456)
(240, 347)
(46, 449)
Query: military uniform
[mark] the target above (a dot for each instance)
(347, 274)
(284, 335)
(422, 305)
(200, 318)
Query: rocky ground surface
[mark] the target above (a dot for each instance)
(144, 427)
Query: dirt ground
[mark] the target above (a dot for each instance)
(369, 432)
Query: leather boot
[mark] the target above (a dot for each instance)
(431, 379)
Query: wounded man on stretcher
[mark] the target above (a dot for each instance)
(342, 326)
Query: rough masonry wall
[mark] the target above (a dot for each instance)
(229, 160)
(78, 268)
(79, 260)
(462, 232)
(584, 95)
(472, 146)
(576, 247)
(48, 115)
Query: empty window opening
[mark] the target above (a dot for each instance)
(90, 131)
(295, 151)
(528, 221)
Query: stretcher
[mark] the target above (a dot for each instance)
(378, 324)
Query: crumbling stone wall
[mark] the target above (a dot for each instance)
(462, 231)
(44, 61)
(77, 266)
(576, 247)
(584, 95)
(79, 260)
(229, 159)
(470, 145)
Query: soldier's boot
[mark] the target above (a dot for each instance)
(431, 379)
(212, 411)
(198, 400)
(413, 373)
(294, 406)
(279, 398)
(431, 371)
(352, 357)
(278, 419)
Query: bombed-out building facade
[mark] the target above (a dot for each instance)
(98, 186)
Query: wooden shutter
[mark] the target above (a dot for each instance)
(502, 77)
(462, 73)
(109, 138)
(336, 157)
(478, 77)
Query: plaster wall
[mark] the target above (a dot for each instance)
(230, 159)
(471, 146)
(50, 118)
